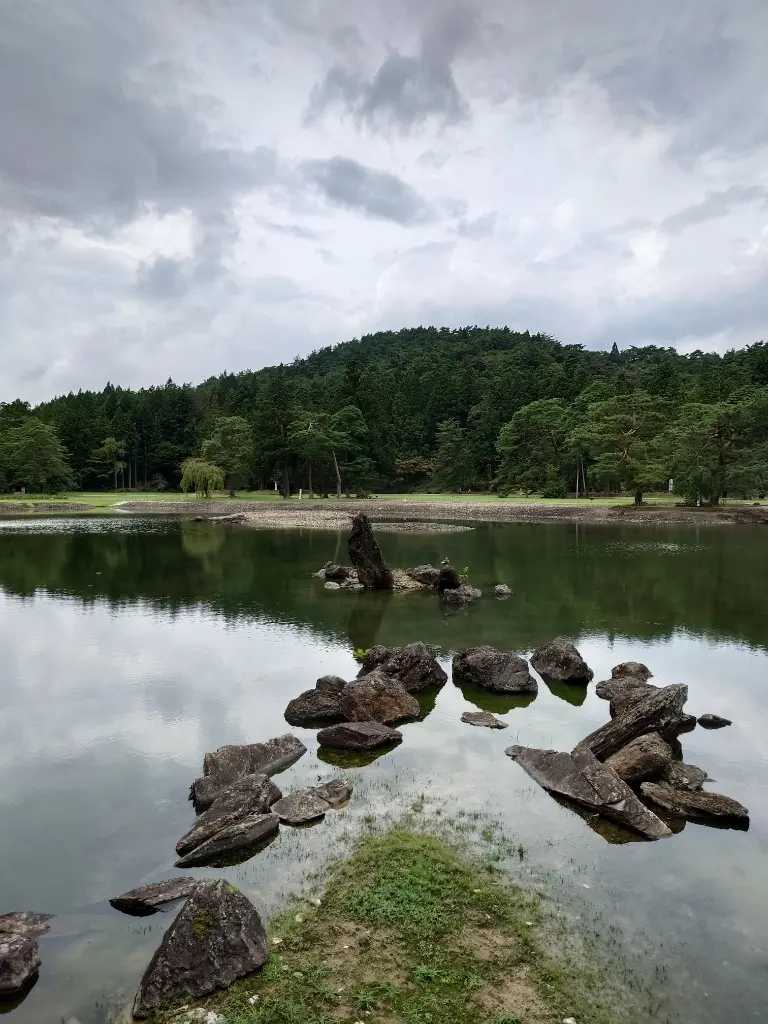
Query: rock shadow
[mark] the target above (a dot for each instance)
(497, 703)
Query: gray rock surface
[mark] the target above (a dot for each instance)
(502, 590)
(217, 938)
(330, 684)
(365, 554)
(301, 806)
(448, 578)
(631, 668)
(428, 575)
(226, 764)
(461, 595)
(654, 713)
(336, 792)
(318, 705)
(483, 718)
(628, 694)
(713, 722)
(493, 670)
(376, 697)
(337, 573)
(559, 660)
(147, 899)
(245, 831)
(358, 736)
(415, 666)
(25, 922)
(19, 962)
(642, 759)
(684, 776)
(330, 585)
(579, 776)
(696, 805)
(251, 794)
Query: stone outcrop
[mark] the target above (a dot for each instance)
(358, 736)
(560, 661)
(217, 938)
(582, 778)
(251, 794)
(376, 697)
(314, 706)
(461, 595)
(148, 899)
(25, 922)
(696, 805)
(222, 766)
(713, 721)
(372, 571)
(415, 667)
(684, 776)
(493, 670)
(448, 578)
(240, 834)
(19, 962)
(483, 718)
(301, 806)
(427, 575)
(330, 684)
(656, 712)
(642, 759)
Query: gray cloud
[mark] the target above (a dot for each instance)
(717, 204)
(347, 183)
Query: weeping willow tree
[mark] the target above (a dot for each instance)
(201, 477)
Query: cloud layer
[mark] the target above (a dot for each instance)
(188, 187)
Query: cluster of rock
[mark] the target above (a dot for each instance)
(633, 760)
(19, 950)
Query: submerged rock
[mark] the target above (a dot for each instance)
(713, 722)
(358, 736)
(314, 706)
(301, 806)
(252, 794)
(483, 718)
(237, 835)
(365, 554)
(217, 938)
(19, 962)
(415, 667)
(696, 805)
(336, 792)
(559, 660)
(376, 697)
(330, 684)
(642, 759)
(148, 898)
(25, 922)
(502, 590)
(222, 766)
(656, 712)
(427, 575)
(684, 776)
(493, 670)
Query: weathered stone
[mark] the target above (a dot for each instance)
(502, 590)
(629, 694)
(642, 759)
(358, 736)
(684, 776)
(239, 834)
(336, 572)
(483, 718)
(25, 922)
(222, 766)
(493, 670)
(580, 777)
(654, 713)
(251, 794)
(330, 585)
(148, 898)
(631, 668)
(448, 578)
(427, 575)
(313, 706)
(372, 571)
(402, 581)
(336, 792)
(376, 697)
(713, 722)
(415, 667)
(331, 684)
(686, 723)
(696, 805)
(217, 938)
(461, 595)
(19, 962)
(301, 806)
(559, 660)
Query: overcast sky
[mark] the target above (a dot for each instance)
(192, 186)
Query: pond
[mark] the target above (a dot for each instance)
(133, 646)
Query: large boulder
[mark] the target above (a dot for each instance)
(560, 661)
(222, 766)
(696, 805)
(217, 938)
(358, 736)
(252, 794)
(237, 835)
(148, 899)
(657, 712)
(376, 697)
(580, 777)
(427, 575)
(415, 667)
(631, 668)
(19, 962)
(642, 759)
(459, 596)
(300, 807)
(314, 706)
(372, 571)
(494, 670)
(483, 718)
(331, 684)
(25, 922)
(448, 578)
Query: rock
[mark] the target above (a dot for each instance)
(691, 804)
(494, 670)
(448, 579)
(217, 938)
(483, 718)
(19, 962)
(336, 572)
(332, 586)
(148, 898)
(684, 776)
(502, 590)
(313, 706)
(336, 792)
(25, 922)
(580, 777)
(415, 667)
(251, 794)
(376, 697)
(623, 691)
(461, 595)
(239, 834)
(631, 668)
(686, 723)
(402, 581)
(644, 758)
(559, 660)
(358, 736)
(713, 722)
(654, 713)
(372, 571)
(226, 764)
(331, 684)
(427, 575)
(301, 806)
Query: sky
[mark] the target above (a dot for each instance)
(194, 186)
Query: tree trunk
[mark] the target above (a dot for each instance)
(638, 497)
(309, 471)
(286, 482)
(338, 474)
(231, 486)
(115, 476)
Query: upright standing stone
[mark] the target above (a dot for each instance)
(372, 571)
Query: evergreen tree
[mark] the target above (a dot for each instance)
(33, 457)
(230, 447)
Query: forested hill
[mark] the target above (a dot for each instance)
(419, 391)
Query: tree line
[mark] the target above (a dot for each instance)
(424, 408)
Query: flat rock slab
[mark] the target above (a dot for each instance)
(25, 922)
(415, 666)
(657, 711)
(581, 777)
(358, 736)
(483, 718)
(238, 835)
(713, 721)
(217, 938)
(376, 697)
(314, 706)
(643, 759)
(301, 806)
(560, 661)
(336, 792)
(251, 794)
(493, 670)
(19, 962)
(226, 764)
(147, 899)
(696, 806)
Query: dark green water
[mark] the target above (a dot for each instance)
(130, 647)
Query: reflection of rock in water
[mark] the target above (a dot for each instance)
(571, 693)
(9, 1003)
(427, 700)
(610, 831)
(240, 856)
(353, 758)
(498, 703)
(366, 617)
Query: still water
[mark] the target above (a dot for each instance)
(130, 647)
